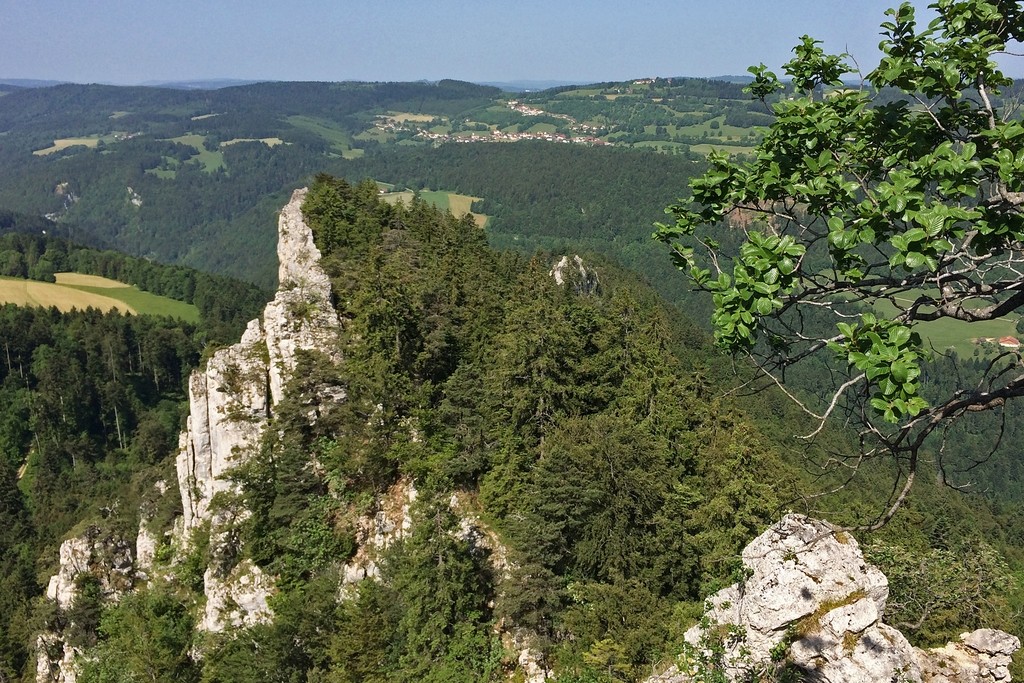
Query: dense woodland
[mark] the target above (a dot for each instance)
(90, 407)
(583, 423)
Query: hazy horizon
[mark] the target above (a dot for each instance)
(567, 41)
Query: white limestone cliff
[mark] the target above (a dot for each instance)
(812, 601)
(231, 402)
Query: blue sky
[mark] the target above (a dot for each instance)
(128, 41)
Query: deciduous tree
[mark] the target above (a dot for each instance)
(867, 210)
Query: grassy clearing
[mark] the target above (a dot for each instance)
(728, 149)
(328, 130)
(542, 128)
(83, 280)
(958, 335)
(578, 93)
(402, 117)
(458, 204)
(134, 298)
(211, 161)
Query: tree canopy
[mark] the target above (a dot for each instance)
(865, 211)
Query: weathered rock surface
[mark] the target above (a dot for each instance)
(231, 402)
(57, 661)
(573, 273)
(810, 588)
(238, 599)
(108, 559)
(389, 521)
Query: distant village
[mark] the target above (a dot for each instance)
(581, 133)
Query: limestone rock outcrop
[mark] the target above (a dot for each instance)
(572, 272)
(106, 558)
(231, 402)
(376, 531)
(812, 602)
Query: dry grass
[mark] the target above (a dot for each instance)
(402, 117)
(64, 143)
(81, 280)
(45, 294)
(269, 142)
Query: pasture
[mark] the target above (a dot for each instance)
(78, 291)
(402, 117)
(210, 161)
(340, 139)
(960, 336)
(269, 142)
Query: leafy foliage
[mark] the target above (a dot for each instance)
(849, 202)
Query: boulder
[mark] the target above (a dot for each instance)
(812, 603)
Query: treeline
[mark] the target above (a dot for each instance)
(68, 110)
(530, 191)
(556, 197)
(225, 304)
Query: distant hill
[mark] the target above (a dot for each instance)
(202, 84)
(29, 82)
(530, 85)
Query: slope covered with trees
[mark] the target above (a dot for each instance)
(582, 423)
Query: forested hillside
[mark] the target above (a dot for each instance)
(581, 425)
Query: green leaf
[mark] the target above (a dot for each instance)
(913, 259)
(899, 335)
(898, 371)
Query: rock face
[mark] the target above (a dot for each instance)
(106, 558)
(231, 403)
(811, 601)
(575, 274)
(232, 399)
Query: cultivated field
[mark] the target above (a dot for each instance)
(77, 291)
(45, 294)
(64, 143)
